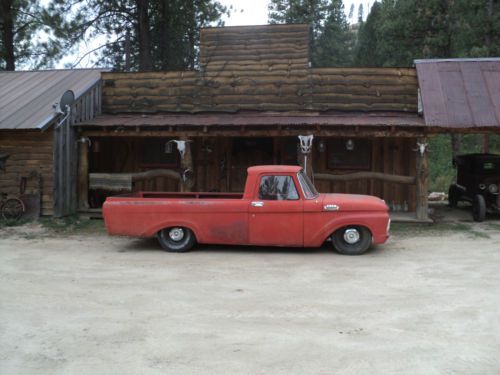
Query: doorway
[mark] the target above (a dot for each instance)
(246, 152)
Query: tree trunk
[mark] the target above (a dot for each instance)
(143, 32)
(7, 19)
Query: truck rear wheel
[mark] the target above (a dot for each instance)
(176, 239)
(352, 240)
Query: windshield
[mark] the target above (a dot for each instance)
(307, 186)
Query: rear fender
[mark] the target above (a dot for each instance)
(172, 223)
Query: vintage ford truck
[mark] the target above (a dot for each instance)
(279, 207)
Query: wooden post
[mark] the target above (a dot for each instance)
(305, 160)
(83, 174)
(422, 179)
(187, 165)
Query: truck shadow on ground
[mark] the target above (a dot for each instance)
(151, 244)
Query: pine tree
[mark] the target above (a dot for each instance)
(351, 12)
(332, 41)
(162, 34)
(29, 35)
(361, 13)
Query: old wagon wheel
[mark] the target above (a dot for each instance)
(12, 209)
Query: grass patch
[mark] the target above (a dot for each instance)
(12, 223)
(436, 229)
(494, 226)
(72, 225)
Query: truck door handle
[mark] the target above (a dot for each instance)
(257, 204)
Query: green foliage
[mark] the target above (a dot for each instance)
(441, 170)
(164, 36)
(399, 31)
(30, 35)
(332, 40)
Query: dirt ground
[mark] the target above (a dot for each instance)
(427, 302)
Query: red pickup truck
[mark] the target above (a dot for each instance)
(280, 207)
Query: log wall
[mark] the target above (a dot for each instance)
(29, 151)
(234, 48)
(263, 68)
(279, 89)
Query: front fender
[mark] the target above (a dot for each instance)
(374, 221)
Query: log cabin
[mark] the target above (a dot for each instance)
(254, 93)
(38, 148)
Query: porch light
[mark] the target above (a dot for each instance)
(349, 145)
(321, 146)
(168, 147)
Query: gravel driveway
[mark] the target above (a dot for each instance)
(424, 303)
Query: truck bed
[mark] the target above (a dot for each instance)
(188, 195)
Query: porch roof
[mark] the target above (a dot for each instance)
(258, 119)
(460, 93)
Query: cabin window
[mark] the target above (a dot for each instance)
(159, 153)
(277, 188)
(349, 153)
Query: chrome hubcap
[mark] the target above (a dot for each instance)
(176, 234)
(351, 236)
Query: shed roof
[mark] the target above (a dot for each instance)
(27, 97)
(460, 93)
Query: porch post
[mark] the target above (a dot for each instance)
(187, 167)
(422, 179)
(83, 173)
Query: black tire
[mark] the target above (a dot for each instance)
(176, 239)
(12, 209)
(478, 208)
(342, 240)
(453, 196)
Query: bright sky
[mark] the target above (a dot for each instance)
(244, 12)
(254, 12)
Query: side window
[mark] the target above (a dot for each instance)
(277, 188)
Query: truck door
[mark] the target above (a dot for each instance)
(276, 213)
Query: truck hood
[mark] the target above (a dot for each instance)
(352, 202)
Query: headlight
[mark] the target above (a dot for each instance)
(493, 188)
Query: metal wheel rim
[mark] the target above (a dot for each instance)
(351, 236)
(176, 234)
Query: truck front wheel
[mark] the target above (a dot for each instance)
(176, 239)
(352, 240)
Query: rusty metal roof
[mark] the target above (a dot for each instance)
(460, 93)
(27, 97)
(258, 119)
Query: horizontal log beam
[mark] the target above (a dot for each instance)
(155, 173)
(407, 180)
(237, 132)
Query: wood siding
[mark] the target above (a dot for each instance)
(236, 48)
(217, 166)
(29, 151)
(309, 90)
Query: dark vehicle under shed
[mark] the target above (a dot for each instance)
(478, 182)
